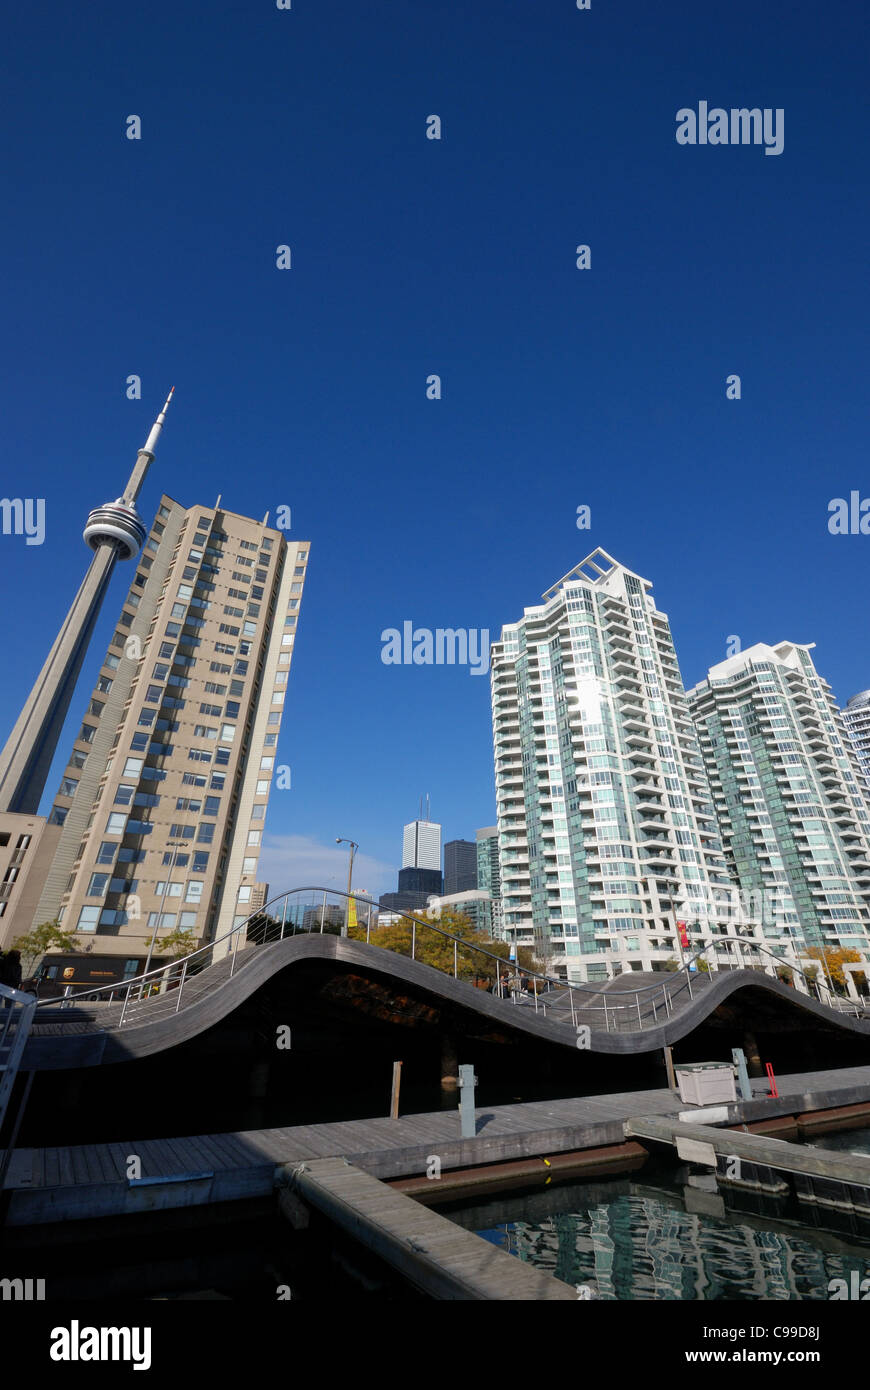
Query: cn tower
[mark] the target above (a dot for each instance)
(114, 532)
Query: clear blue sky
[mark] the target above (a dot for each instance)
(412, 256)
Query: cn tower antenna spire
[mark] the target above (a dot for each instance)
(146, 454)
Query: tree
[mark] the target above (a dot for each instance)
(431, 948)
(176, 943)
(834, 958)
(34, 944)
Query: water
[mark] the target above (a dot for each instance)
(675, 1236)
(856, 1141)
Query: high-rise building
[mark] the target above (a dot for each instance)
(421, 845)
(787, 789)
(460, 866)
(163, 801)
(856, 717)
(488, 876)
(607, 834)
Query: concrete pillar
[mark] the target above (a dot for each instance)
(449, 1062)
(753, 1058)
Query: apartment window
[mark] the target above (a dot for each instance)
(300, 569)
(147, 716)
(186, 920)
(231, 709)
(214, 710)
(200, 861)
(88, 919)
(87, 733)
(245, 893)
(205, 834)
(204, 731)
(258, 812)
(223, 647)
(181, 832)
(194, 890)
(192, 779)
(133, 766)
(172, 890)
(78, 758)
(274, 718)
(263, 787)
(249, 866)
(253, 612)
(212, 806)
(186, 803)
(178, 861)
(266, 763)
(68, 786)
(217, 780)
(233, 612)
(115, 823)
(161, 919)
(178, 610)
(97, 886)
(104, 684)
(124, 795)
(228, 733)
(212, 688)
(199, 755)
(227, 627)
(254, 837)
(278, 697)
(241, 668)
(222, 756)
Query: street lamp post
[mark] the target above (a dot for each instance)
(353, 849)
(176, 846)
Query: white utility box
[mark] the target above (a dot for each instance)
(704, 1083)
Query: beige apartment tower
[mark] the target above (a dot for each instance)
(162, 805)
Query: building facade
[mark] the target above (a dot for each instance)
(607, 833)
(163, 802)
(789, 798)
(421, 845)
(856, 718)
(460, 866)
(488, 875)
(27, 848)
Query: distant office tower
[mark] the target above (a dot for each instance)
(419, 881)
(604, 811)
(856, 717)
(163, 801)
(488, 876)
(421, 845)
(114, 532)
(460, 866)
(786, 785)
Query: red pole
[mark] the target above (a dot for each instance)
(769, 1069)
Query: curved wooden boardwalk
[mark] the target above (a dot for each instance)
(90, 1034)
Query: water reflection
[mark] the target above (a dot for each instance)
(629, 1240)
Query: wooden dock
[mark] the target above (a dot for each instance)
(435, 1255)
(91, 1180)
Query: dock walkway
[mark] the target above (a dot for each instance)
(91, 1180)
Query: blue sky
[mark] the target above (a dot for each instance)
(412, 256)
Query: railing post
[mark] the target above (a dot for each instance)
(413, 938)
(606, 1024)
(369, 928)
(235, 949)
(571, 997)
(124, 1006)
(639, 1019)
(283, 919)
(455, 961)
(181, 985)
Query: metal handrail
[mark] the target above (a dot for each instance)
(166, 973)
